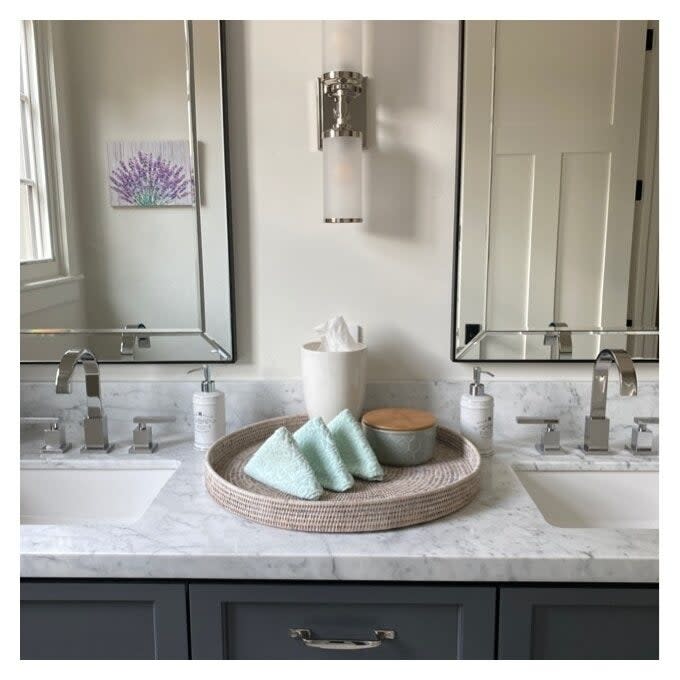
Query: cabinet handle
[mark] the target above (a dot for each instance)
(305, 635)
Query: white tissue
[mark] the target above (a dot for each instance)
(335, 336)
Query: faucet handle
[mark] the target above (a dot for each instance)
(536, 420)
(641, 438)
(549, 441)
(142, 441)
(147, 420)
(643, 421)
(54, 436)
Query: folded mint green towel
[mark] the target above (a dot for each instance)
(355, 450)
(279, 463)
(316, 443)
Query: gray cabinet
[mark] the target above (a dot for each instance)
(565, 622)
(103, 620)
(252, 621)
(92, 619)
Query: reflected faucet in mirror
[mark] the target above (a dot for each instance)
(596, 436)
(94, 424)
(559, 341)
(127, 340)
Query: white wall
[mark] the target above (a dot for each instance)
(393, 274)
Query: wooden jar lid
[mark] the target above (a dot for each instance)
(399, 419)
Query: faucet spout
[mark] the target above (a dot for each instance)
(597, 424)
(67, 365)
(627, 377)
(94, 425)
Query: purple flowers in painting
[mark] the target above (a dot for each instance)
(147, 180)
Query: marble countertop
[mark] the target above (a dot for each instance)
(500, 536)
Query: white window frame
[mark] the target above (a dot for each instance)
(44, 154)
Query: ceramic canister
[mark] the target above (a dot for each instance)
(333, 381)
(400, 436)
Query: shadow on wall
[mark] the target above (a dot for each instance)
(395, 60)
(391, 346)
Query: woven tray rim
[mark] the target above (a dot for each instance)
(362, 503)
(468, 450)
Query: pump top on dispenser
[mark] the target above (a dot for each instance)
(209, 414)
(207, 384)
(476, 414)
(476, 386)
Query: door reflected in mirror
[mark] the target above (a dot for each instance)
(557, 248)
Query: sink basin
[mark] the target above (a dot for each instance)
(612, 499)
(106, 491)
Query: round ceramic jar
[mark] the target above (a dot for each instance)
(400, 436)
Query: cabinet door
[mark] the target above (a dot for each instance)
(578, 623)
(96, 620)
(253, 621)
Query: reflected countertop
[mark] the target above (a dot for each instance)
(500, 536)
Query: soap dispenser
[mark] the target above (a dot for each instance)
(476, 414)
(209, 414)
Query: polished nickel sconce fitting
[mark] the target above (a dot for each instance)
(341, 106)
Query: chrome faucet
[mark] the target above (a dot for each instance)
(94, 425)
(597, 424)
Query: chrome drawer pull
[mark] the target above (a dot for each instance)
(305, 635)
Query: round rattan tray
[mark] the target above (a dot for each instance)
(406, 496)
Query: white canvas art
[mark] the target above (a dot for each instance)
(150, 174)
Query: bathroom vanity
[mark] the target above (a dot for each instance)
(495, 580)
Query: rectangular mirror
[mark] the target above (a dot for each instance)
(557, 224)
(126, 243)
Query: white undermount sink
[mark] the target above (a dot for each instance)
(104, 491)
(612, 499)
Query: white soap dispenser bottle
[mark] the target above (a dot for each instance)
(209, 414)
(476, 414)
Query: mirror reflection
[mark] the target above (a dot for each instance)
(558, 218)
(124, 198)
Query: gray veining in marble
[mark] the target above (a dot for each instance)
(500, 536)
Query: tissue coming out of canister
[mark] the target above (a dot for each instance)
(334, 379)
(335, 336)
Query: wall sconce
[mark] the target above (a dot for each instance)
(342, 120)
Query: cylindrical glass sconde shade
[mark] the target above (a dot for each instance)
(342, 46)
(342, 143)
(342, 160)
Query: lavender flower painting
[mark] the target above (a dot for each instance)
(150, 174)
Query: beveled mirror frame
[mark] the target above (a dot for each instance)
(223, 354)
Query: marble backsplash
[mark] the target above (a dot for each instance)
(248, 401)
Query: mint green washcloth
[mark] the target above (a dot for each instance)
(316, 443)
(355, 450)
(279, 463)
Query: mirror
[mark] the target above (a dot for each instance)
(557, 218)
(126, 241)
